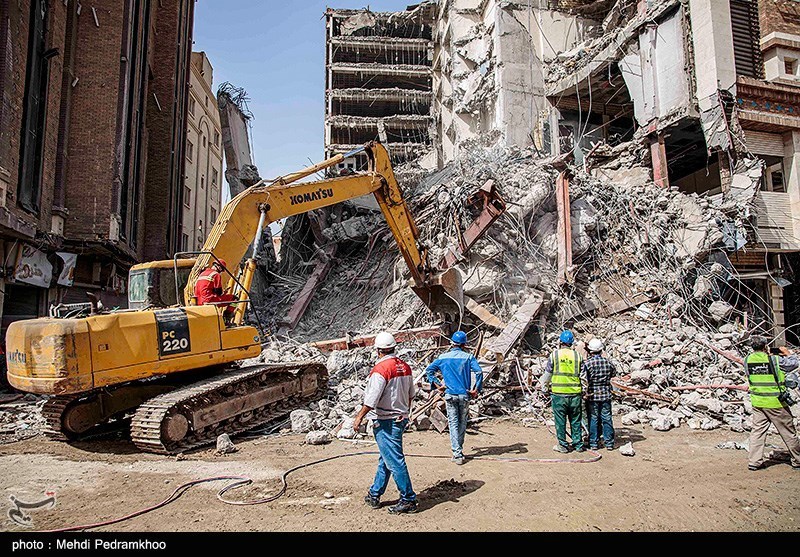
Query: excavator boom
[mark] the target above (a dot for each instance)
(242, 219)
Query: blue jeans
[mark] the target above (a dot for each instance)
(457, 416)
(392, 461)
(600, 413)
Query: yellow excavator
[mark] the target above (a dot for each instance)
(170, 362)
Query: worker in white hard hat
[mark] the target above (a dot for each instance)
(599, 371)
(387, 404)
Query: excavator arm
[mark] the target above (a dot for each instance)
(242, 219)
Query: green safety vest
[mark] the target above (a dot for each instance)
(764, 390)
(566, 372)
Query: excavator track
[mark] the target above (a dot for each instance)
(52, 412)
(232, 402)
(84, 415)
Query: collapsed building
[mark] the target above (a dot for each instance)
(648, 155)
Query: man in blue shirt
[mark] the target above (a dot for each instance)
(456, 367)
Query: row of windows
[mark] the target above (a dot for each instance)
(192, 104)
(214, 180)
(190, 145)
(187, 197)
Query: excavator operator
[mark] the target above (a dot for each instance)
(208, 288)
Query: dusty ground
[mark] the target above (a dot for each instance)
(677, 481)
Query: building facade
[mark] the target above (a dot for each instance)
(80, 108)
(203, 176)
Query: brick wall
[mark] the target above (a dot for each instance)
(13, 64)
(167, 128)
(93, 172)
(99, 107)
(782, 16)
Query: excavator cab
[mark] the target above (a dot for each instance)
(152, 284)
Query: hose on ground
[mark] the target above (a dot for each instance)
(242, 481)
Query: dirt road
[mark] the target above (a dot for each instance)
(678, 480)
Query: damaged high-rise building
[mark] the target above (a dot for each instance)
(378, 81)
(711, 87)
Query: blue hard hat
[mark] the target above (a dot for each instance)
(459, 337)
(567, 337)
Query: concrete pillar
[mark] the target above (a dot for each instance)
(725, 174)
(791, 169)
(712, 41)
(564, 229)
(658, 154)
(778, 316)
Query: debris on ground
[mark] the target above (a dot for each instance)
(319, 437)
(301, 421)
(627, 449)
(225, 445)
(21, 417)
(736, 445)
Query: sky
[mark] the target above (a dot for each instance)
(276, 51)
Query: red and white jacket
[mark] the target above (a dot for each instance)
(390, 389)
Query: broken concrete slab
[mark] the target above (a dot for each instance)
(719, 311)
(301, 421)
(319, 437)
(438, 420)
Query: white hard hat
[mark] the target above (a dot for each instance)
(595, 345)
(385, 340)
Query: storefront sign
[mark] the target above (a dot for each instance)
(33, 267)
(67, 276)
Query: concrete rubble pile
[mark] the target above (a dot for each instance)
(648, 264)
(331, 415)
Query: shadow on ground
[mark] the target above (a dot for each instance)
(446, 490)
(516, 448)
(624, 434)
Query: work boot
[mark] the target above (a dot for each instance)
(560, 449)
(580, 450)
(458, 460)
(403, 507)
(374, 502)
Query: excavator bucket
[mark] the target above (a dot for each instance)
(444, 293)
